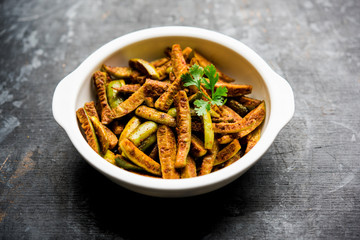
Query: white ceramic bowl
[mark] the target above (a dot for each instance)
(228, 54)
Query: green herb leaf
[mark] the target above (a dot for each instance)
(195, 78)
(218, 96)
(210, 72)
(189, 81)
(201, 107)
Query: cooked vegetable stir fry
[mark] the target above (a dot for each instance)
(174, 117)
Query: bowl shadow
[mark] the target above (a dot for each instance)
(129, 215)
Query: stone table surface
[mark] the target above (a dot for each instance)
(307, 185)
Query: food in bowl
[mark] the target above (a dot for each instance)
(174, 117)
(228, 54)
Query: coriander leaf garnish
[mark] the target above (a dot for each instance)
(218, 96)
(195, 78)
(210, 72)
(201, 107)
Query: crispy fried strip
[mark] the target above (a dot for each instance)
(142, 132)
(178, 61)
(252, 120)
(144, 67)
(159, 62)
(229, 113)
(138, 79)
(113, 141)
(125, 164)
(189, 170)
(235, 90)
(100, 79)
(118, 72)
(244, 126)
(113, 97)
(225, 139)
(197, 148)
(130, 104)
(128, 88)
(237, 107)
(183, 128)
(249, 103)
(227, 152)
(236, 157)
(252, 138)
(208, 161)
(209, 135)
(155, 115)
(88, 130)
(154, 154)
(167, 152)
(148, 142)
(155, 88)
(132, 124)
(203, 62)
(167, 98)
(101, 134)
(110, 157)
(90, 110)
(139, 158)
(117, 127)
(186, 52)
(163, 70)
(149, 101)
(223, 119)
(229, 127)
(172, 77)
(179, 67)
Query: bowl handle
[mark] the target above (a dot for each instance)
(61, 104)
(286, 97)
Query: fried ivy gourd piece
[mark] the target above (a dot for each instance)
(147, 121)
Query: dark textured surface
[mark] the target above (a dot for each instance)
(307, 186)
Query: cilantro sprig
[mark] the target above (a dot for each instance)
(195, 77)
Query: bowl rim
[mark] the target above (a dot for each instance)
(274, 125)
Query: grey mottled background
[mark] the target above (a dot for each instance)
(307, 186)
